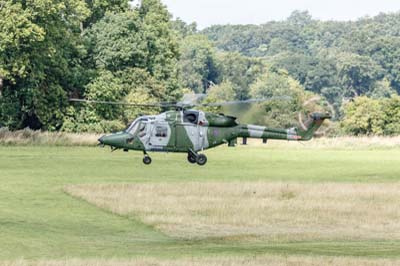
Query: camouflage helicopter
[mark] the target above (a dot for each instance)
(187, 130)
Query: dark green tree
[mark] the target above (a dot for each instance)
(287, 98)
(197, 63)
(98, 9)
(240, 70)
(385, 50)
(391, 108)
(117, 42)
(135, 56)
(40, 51)
(357, 73)
(162, 45)
(184, 29)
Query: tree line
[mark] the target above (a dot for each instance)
(110, 50)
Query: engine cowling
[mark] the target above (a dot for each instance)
(221, 120)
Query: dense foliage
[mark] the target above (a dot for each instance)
(110, 50)
(367, 116)
(40, 60)
(340, 60)
(53, 50)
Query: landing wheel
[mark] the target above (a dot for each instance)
(201, 159)
(191, 158)
(146, 160)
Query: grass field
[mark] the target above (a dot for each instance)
(280, 204)
(260, 211)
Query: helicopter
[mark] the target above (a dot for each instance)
(191, 131)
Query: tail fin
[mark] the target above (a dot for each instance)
(312, 125)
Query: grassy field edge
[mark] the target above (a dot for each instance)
(27, 137)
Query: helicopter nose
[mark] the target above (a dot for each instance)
(114, 140)
(107, 140)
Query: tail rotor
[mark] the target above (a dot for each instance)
(314, 108)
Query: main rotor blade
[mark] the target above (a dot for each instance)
(245, 101)
(182, 104)
(155, 105)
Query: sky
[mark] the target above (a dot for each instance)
(209, 12)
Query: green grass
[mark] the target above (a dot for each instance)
(38, 220)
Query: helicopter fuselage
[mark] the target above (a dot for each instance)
(191, 131)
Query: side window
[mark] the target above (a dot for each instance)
(190, 117)
(161, 131)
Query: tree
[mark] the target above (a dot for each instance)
(385, 50)
(381, 89)
(357, 73)
(17, 30)
(184, 29)
(235, 38)
(222, 92)
(298, 65)
(106, 87)
(40, 51)
(287, 98)
(134, 55)
(98, 9)
(322, 72)
(133, 85)
(197, 63)
(351, 56)
(363, 116)
(391, 108)
(142, 38)
(118, 41)
(299, 18)
(162, 46)
(240, 70)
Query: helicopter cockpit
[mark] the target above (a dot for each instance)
(140, 124)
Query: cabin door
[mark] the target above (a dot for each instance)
(161, 136)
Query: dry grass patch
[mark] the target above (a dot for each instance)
(351, 143)
(217, 261)
(256, 210)
(32, 137)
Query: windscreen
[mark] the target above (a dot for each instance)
(134, 126)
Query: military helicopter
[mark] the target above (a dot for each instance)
(188, 130)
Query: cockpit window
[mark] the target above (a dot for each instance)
(135, 124)
(142, 129)
(133, 127)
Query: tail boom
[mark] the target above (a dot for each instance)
(259, 132)
(292, 134)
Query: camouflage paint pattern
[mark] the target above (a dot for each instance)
(193, 131)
